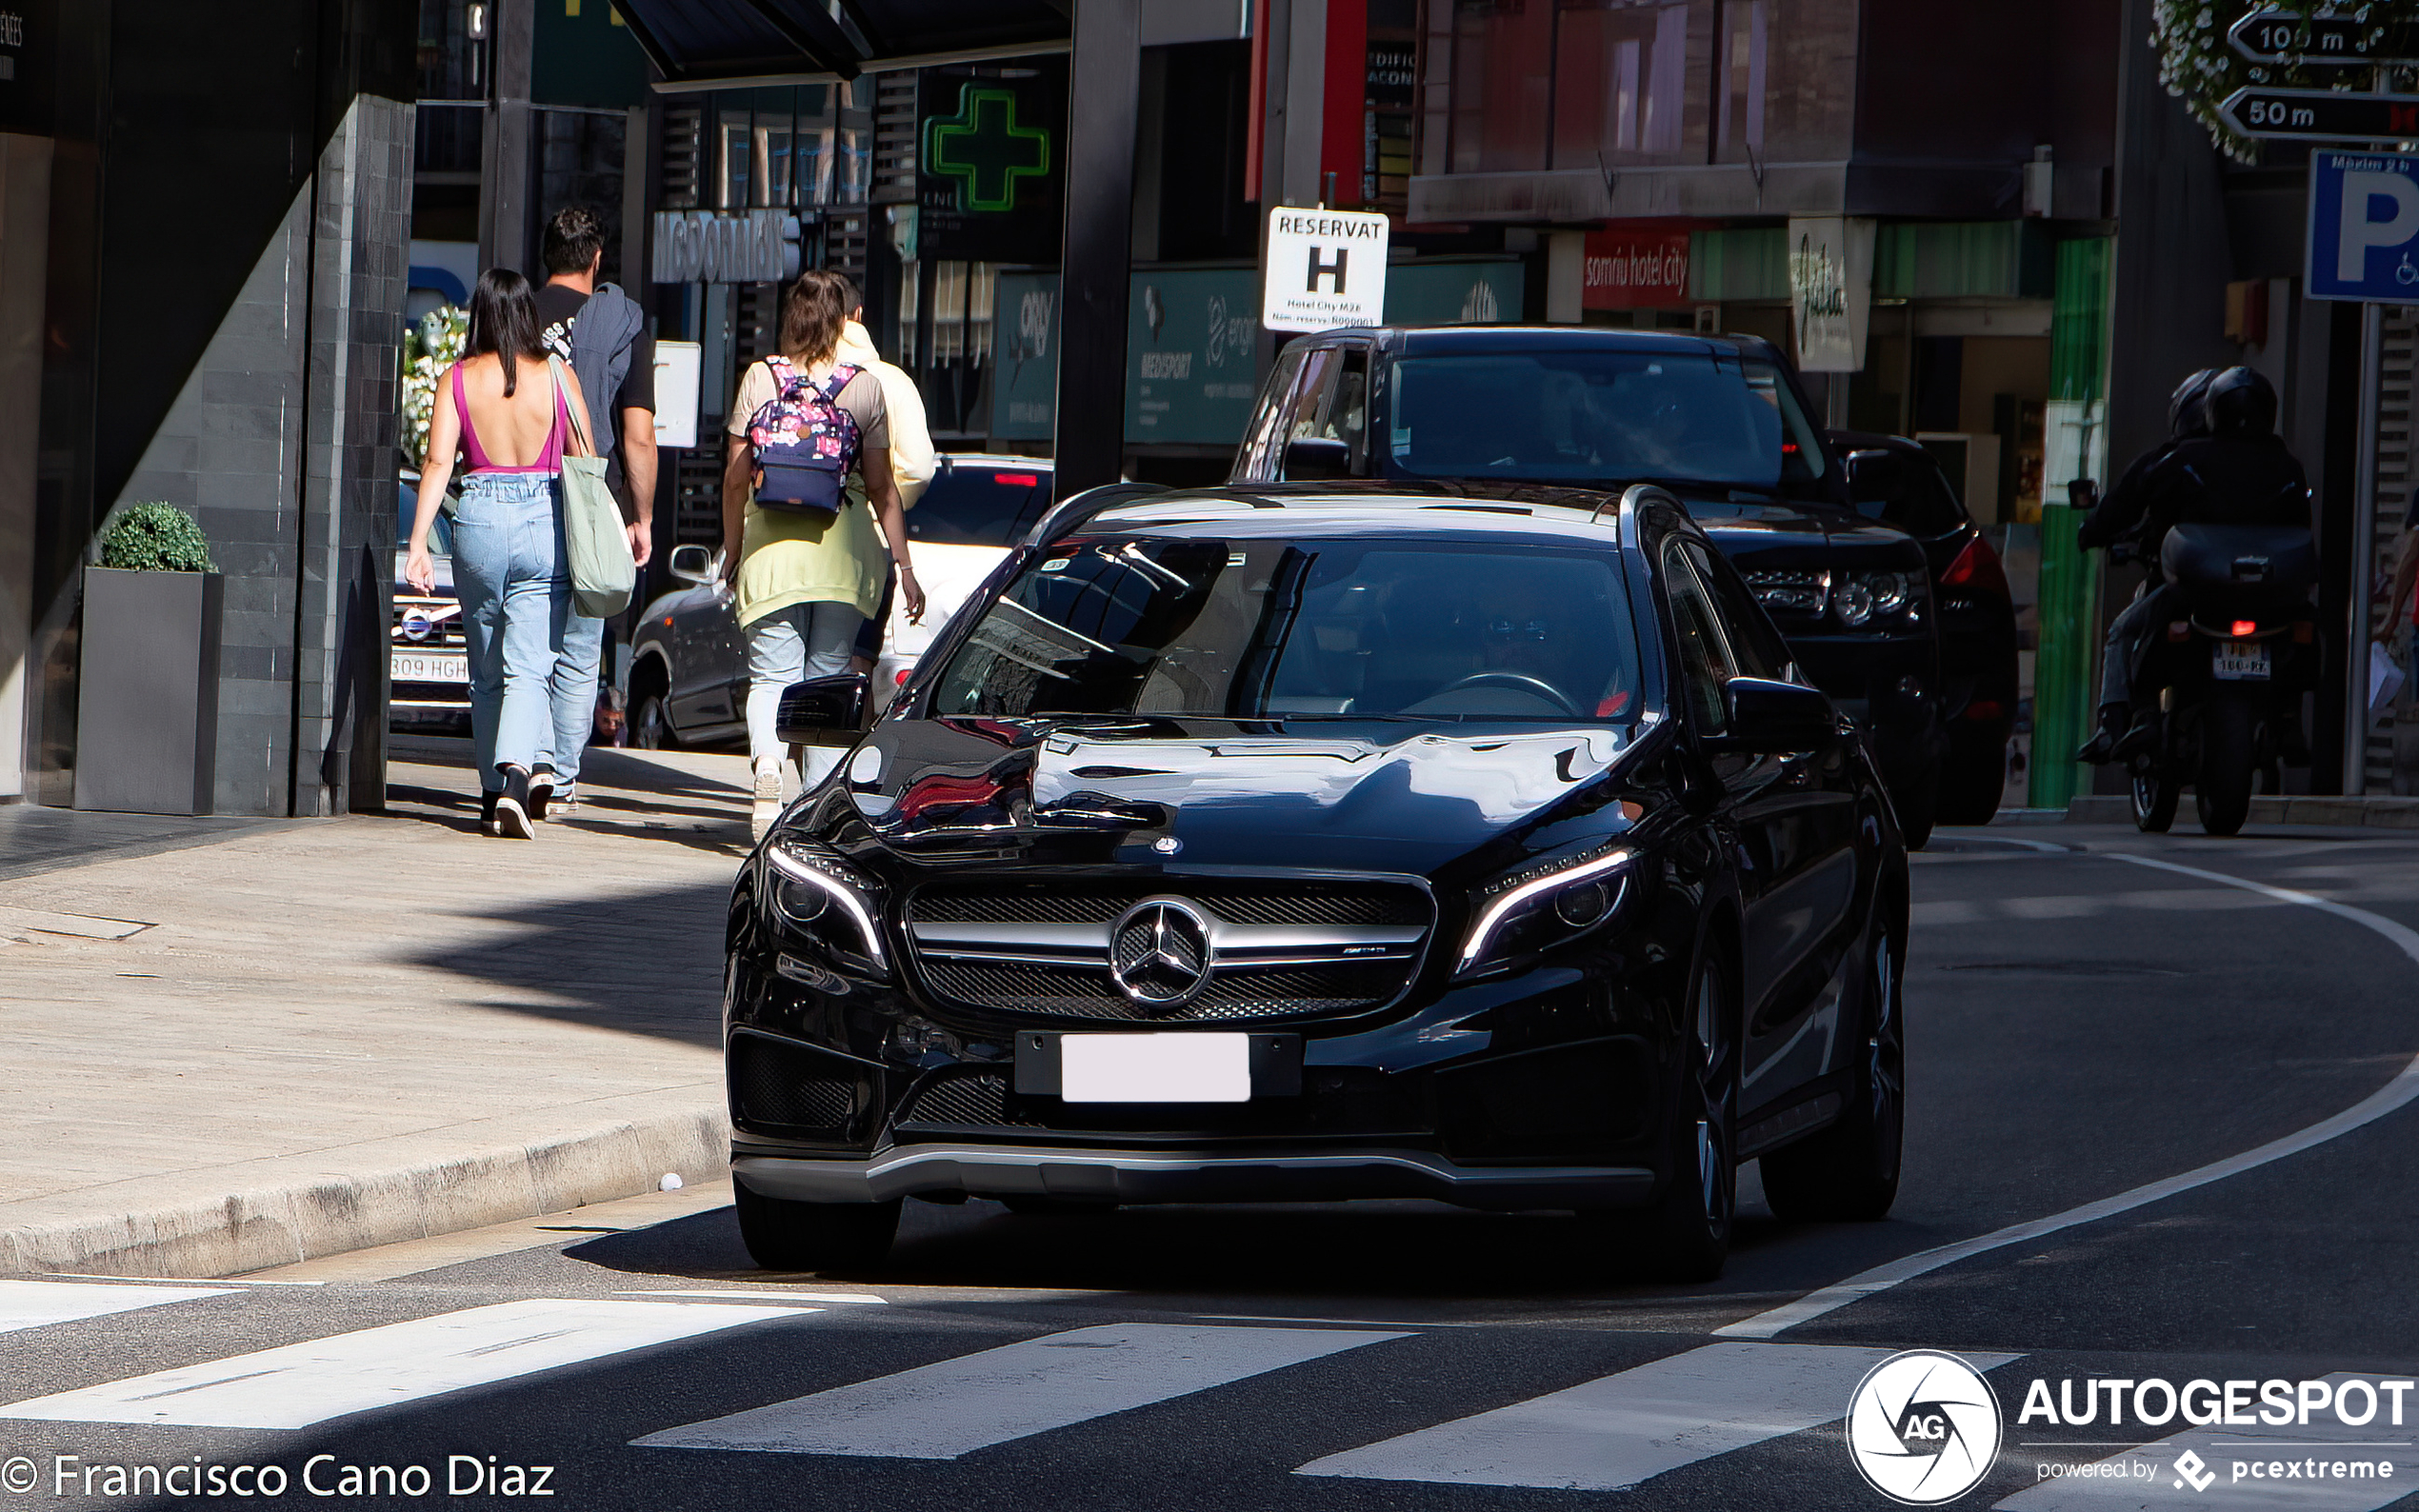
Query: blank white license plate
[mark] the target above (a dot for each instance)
(2240, 661)
(1156, 1068)
(430, 667)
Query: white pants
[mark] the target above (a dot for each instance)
(790, 646)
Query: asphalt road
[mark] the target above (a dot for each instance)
(2080, 1025)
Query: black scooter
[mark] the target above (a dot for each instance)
(2231, 660)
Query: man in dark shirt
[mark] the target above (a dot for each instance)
(602, 334)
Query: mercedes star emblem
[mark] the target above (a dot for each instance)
(1159, 952)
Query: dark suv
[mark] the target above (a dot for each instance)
(1717, 421)
(1245, 845)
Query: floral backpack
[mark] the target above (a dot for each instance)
(804, 444)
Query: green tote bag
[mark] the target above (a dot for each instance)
(603, 572)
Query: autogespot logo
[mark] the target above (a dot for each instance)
(1923, 1427)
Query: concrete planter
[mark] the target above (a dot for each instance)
(147, 707)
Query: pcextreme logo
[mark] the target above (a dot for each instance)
(1923, 1427)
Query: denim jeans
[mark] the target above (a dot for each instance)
(789, 646)
(574, 691)
(511, 573)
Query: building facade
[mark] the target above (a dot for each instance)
(201, 294)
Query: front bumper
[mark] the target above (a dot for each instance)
(1136, 1176)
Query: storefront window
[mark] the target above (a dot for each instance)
(1620, 72)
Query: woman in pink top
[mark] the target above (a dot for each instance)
(502, 406)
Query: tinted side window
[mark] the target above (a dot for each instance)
(1759, 650)
(1331, 403)
(1705, 659)
(977, 505)
(1256, 461)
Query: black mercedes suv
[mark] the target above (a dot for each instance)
(1716, 420)
(1238, 846)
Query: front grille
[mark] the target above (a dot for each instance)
(973, 1100)
(438, 620)
(1280, 948)
(1791, 593)
(780, 1087)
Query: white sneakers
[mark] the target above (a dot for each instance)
(768, 803)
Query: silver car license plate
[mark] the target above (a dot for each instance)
(430, 667)
(2240, 661)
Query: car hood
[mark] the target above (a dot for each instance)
(1752, 533)
(1208, 793)
(443, 588)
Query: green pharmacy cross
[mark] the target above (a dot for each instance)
(984, 149)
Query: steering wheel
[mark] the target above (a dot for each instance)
(1516, 679)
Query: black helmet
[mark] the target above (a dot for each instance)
(2240, 402)
(2185, 415)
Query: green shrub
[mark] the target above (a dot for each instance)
(155, 538)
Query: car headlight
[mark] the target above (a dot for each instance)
(1862, 597)
(817, 895)
(1542, 906)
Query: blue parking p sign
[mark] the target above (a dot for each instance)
(2363, 227)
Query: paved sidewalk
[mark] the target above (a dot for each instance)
(305, 1039)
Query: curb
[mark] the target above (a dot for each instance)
(223, 1221)
(2357, 813)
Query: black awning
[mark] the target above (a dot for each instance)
(696, 42)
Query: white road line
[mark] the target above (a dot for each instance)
(295, 1385)
(1612, 1433)
(766, 1295)
(940, 1411)
(2393, 1095)
(2150, 1476)
(34, 1303)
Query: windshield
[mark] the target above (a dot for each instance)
(978, 506)
(1302, 629)
(440, 533)
(1594, 416)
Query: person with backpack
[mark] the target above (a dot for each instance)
(806, 562)
(602, 333)
(513, 413)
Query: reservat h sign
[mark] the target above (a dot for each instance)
(2322, 115)
(1323, 268)
(2281, 37)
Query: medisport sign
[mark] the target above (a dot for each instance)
(1323, 268)
(2363, 227)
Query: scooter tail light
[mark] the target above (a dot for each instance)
(2242, 628)
(1978, 567)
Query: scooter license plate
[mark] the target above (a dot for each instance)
(2240, 661)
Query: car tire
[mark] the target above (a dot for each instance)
(650, 725)
(2223, 792)
(1973, 780)
(1917, 804)
(1686, 1235)
(1847, 1171)
(782, 1235)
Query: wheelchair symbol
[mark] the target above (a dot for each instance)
(2405, 273)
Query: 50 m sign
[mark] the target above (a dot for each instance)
(2322, 115)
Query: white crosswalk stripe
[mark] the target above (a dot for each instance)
(36, 1304)
(940, 1411)
(1613, 1432)
(295, 1385)
(2304, 1459)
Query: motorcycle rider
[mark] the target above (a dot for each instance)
(2224, 465)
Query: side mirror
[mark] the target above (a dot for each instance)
(692, 563)
(821, 704)
(1873, 476)
(1770, 717)
(1308, 458)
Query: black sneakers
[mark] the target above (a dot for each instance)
(514, 805)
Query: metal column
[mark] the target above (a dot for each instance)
(1096, 270)
(505, 154)
(2363, 537)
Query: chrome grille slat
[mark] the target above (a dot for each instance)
(1280, 947)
